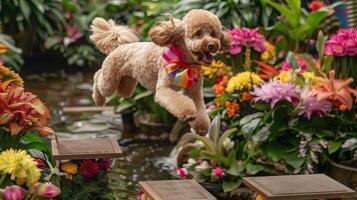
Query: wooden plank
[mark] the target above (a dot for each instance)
(78, 149)
(298, 187)
(87, 109)
(175, 190)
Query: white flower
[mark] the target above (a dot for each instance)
(189, 163)
(202, 167)
(198, 144)
(349, 143)
(228, 144)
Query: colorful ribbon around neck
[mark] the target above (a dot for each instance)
(184, 75)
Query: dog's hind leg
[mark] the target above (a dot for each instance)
(97, 97)
(126, 87)
(110, 75)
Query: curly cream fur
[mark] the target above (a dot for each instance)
(129, 62)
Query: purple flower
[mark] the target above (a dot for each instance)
(245, 37)
(344, 43)
(313, 106)
(273, 92)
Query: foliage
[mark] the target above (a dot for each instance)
(233, 13)
(37, 18)
(10, 55)
(298, 25)
(216, 158)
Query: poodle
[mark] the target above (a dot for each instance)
(195, 39)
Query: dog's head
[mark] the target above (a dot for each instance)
(199, 33)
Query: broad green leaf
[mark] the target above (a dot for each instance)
(235, 169)
(314, 19)
(294, 160)
(250, 117)
(333, 146)
(248, 129)
(262, 135)
(286, 12)
(295, 5)
(253, 168)
(230, 186)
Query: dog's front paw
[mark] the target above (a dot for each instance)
(201, 125)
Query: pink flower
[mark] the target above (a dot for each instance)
(45, 190)
(300, 61)
(218, 172)
(344, 43)
(182, 172)
(72, 34)
(14, 192)
(245, 37)
(313, 106)
(273, 92)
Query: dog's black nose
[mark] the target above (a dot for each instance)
(210, 46)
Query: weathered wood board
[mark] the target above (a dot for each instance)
(78, 149)
(298, 187)
(175, 190)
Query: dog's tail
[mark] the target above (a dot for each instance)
(107, 36)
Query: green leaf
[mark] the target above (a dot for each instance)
(250, 117)
(143, 95)
(213, 132)
(254, 169)
(292, 18)
(333, 146)
(248, 129)
(314, 19)
(294, 160)
(208, 143)
(261, 106)
(235, 169)
(221, 140)
(295, 5)
(230, 186)
(262, 135)
(320, 44)
(25, 9)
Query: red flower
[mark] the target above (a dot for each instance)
(89, 169)
(40, 163)
(105, 164)
(316, 5)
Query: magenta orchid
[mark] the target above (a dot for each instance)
(182, 172)
(218, 172)
(244, 37)
(312, 106)
(344, 43)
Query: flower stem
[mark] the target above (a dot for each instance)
(247, 61)
(3, 177)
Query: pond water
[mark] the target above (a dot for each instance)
(143, 159)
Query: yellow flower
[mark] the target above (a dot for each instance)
(311, 77)
(259, 197)
(69, 168)
(3, 49)
(216, 69)
(269, 53)
(243, 81)
(8, 74)
(20, 166)
(286, 76)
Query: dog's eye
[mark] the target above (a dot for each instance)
(213, 34)
(198, 34)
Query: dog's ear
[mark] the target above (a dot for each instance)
(167, 32)
(225, 40)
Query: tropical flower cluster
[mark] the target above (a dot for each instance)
(344, 43)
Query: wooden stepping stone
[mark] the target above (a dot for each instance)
(80, 149)
(174, 190)
(87, 109)
(298, 187)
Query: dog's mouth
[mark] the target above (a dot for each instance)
(204, 58)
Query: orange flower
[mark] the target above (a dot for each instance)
(343, 107)
(219, 88)
(232, 108)
(3, 49)
(246, 96)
